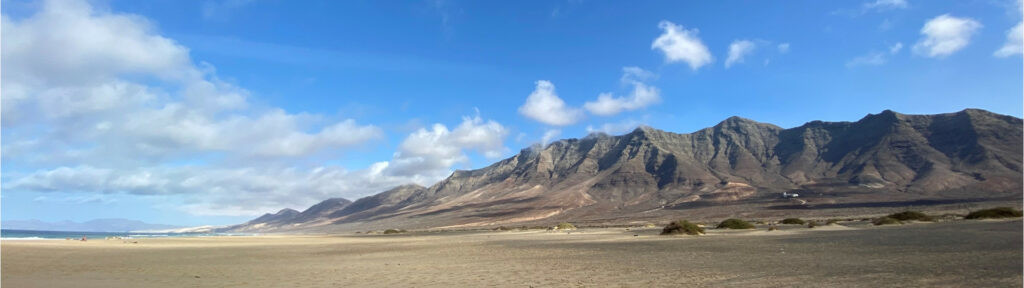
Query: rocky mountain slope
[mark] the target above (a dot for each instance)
(882, 158)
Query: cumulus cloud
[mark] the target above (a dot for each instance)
(681, 45)
(431, 153)
(1014, 37)
(739, 49)
(98, 103)
(945, 35)
(544, 106)
(424, 157)
(641, 96)
(92, 77)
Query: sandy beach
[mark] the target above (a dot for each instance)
(948, 254)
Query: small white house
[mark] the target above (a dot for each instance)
(790, 195)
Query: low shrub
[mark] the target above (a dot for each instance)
(793, 221)
(394, 231)
(910, 215)
(812, 224)
(886, 221)
(682, 227)
(734, 223)
(565, 226)
(994, 213)
(831, 221)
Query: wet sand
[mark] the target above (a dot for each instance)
(948, 254)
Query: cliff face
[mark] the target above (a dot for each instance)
(968, 154)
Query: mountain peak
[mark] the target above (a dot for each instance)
(737, 121)
(412, 186)
(287, 211)
(645, 130)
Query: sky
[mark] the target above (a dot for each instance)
(214, 112)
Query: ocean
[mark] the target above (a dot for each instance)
(12, 234)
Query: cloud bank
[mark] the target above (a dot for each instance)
(100, 103)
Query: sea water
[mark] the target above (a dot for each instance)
(12, 234)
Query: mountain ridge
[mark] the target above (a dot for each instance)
(885, 156)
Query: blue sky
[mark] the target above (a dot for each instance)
(212, 112)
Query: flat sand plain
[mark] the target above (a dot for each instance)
(947, 254)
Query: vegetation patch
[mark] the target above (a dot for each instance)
(797, 221)
(682, 227)
(831, 221)
(812, 224)
(910, 215)
(565, 226)
(994, 213)
(886, 221)
(734, 223)
(394, 231)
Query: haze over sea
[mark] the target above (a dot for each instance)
(13, 234)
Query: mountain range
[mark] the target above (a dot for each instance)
(737, 167)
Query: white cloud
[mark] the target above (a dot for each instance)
(607, 105)
(632, 73)
(1014, 42)
(544, 105)
(895, 48)
(641, 96)
(98, 103)
(783, 48)
(875, 58)
(871, 59)
(944, 35)
(874, 6)
(108, 86)
(739, 49)
(615, 128)
(681, 45)
(77, 199)
(424, 157)
(431, 153)
(69, 43)
(885, 4)
(549, 136)
(215, 191)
